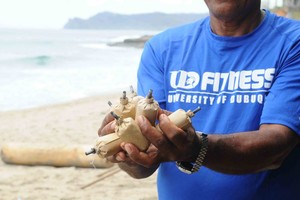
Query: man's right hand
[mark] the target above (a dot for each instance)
(121, 158)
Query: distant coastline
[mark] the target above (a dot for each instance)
(144, 21)
(132, 42)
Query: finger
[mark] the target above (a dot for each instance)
(155, 137)
(174, 134)
(109, 128)
(162, 111)
(115, 158)
(141, 158)
(120, 157)
(107, 119)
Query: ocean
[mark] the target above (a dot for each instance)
(43, 67)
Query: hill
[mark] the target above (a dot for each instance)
(146, 21)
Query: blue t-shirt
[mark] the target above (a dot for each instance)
(240, 83)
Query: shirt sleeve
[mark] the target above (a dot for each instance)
(282, 105)
(151, 74)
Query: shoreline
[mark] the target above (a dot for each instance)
(115, 95)
(70, 123)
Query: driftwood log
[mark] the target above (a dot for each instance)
(51, 155)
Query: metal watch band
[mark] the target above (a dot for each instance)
(190, 168)
(202, 153)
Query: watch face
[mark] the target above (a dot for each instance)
(185, 167)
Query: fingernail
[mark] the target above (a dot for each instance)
(162, 116)
(113, 125)
(122, 145)
(118, 158)
(128, 148)
(141, 118)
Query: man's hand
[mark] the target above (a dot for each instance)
(122, 158)
(169, 144)
(172, 144)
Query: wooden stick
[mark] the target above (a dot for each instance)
(102, 176)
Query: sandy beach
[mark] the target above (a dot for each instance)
(68, 124)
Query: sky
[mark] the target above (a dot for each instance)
(53, 14)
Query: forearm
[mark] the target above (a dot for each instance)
(250, 152)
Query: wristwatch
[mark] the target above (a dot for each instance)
(188, 167)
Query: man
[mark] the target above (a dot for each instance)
(241, 65)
